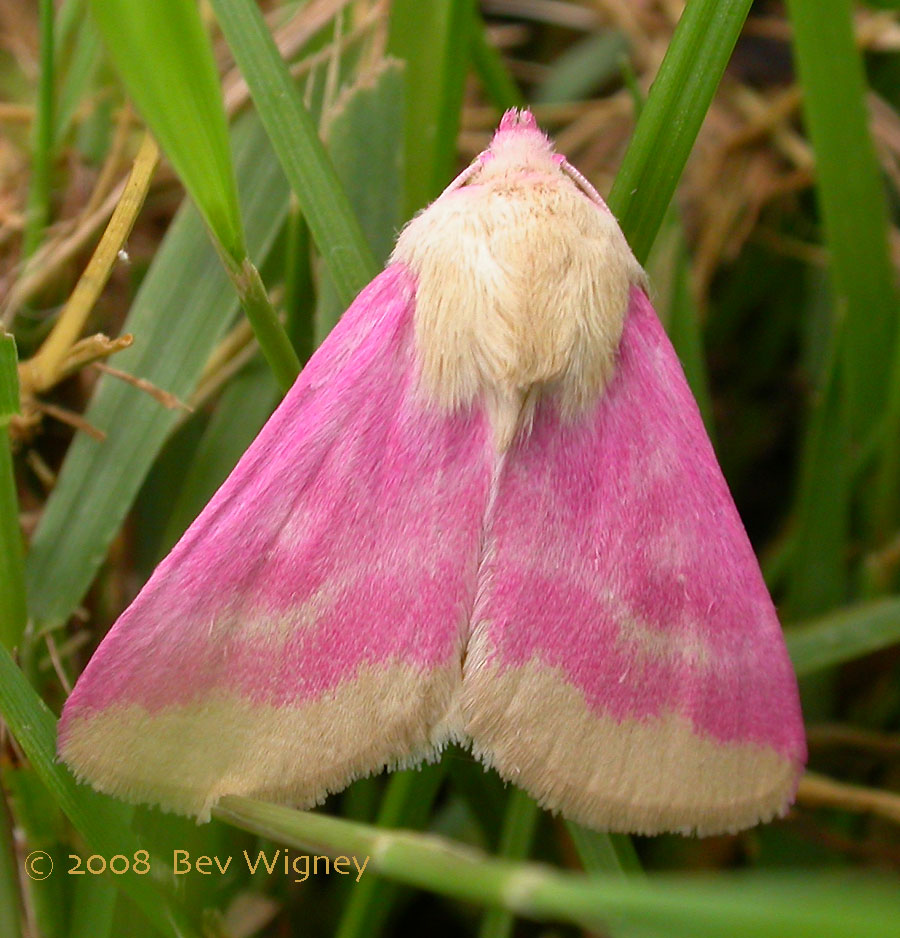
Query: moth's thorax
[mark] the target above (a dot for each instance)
(523, 286)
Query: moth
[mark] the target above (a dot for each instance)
(488, 513)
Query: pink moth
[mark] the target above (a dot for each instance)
(487, 512)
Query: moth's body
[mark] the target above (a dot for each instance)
(487, 512)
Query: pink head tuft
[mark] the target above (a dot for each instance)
(514, 119)
(517, 133)
(519, 125)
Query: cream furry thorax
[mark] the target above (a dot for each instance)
(524, 279)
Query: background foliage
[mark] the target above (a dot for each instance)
(774, 268)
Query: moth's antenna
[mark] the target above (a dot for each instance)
(464, 177)
(582, 182)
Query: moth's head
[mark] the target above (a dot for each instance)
(519, 145)
(520, 152)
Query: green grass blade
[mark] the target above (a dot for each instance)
(103, 822)
(669, 268)
(672, 115)
(433, 39)
(498, 84)
(13, 612)
(75, 65)
(10, 897)
(184, 304)
(364, 135)
(407, 803)
(852, 202)
(604, 853)
(685, 331)
(723, 907)
(166, 62)
(296, 142)
(818, 565)
(41, 826)
(272, 338)
(584, 67)
(164, 57)
(844, 635)
(299, 284)
(42, 150)
(93, 908)
(610, 854)
(519, 824)
(245, 405)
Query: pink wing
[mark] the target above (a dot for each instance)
(308, 627)
(626, 664)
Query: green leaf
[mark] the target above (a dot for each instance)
(687, 907)
(669, 268)
(93, 907)
(519, 823)
(844, 635)
(818, 562)
(604, 853)
(13, 611)
(10, 897)
(672, 115)
(883, 4)
(103, 823)
(270, 334)
(76, 64)
(41, 826)
(852, 202)
(296, 142)
(498, 84)
(184, 304)
(364, 134)
(163, 55)
(584, 67)
(245, 405)
(9, 379)
(166, 62)
(407, 803)
(433, 39)
(42, 149)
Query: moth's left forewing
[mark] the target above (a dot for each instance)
(307, 629)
